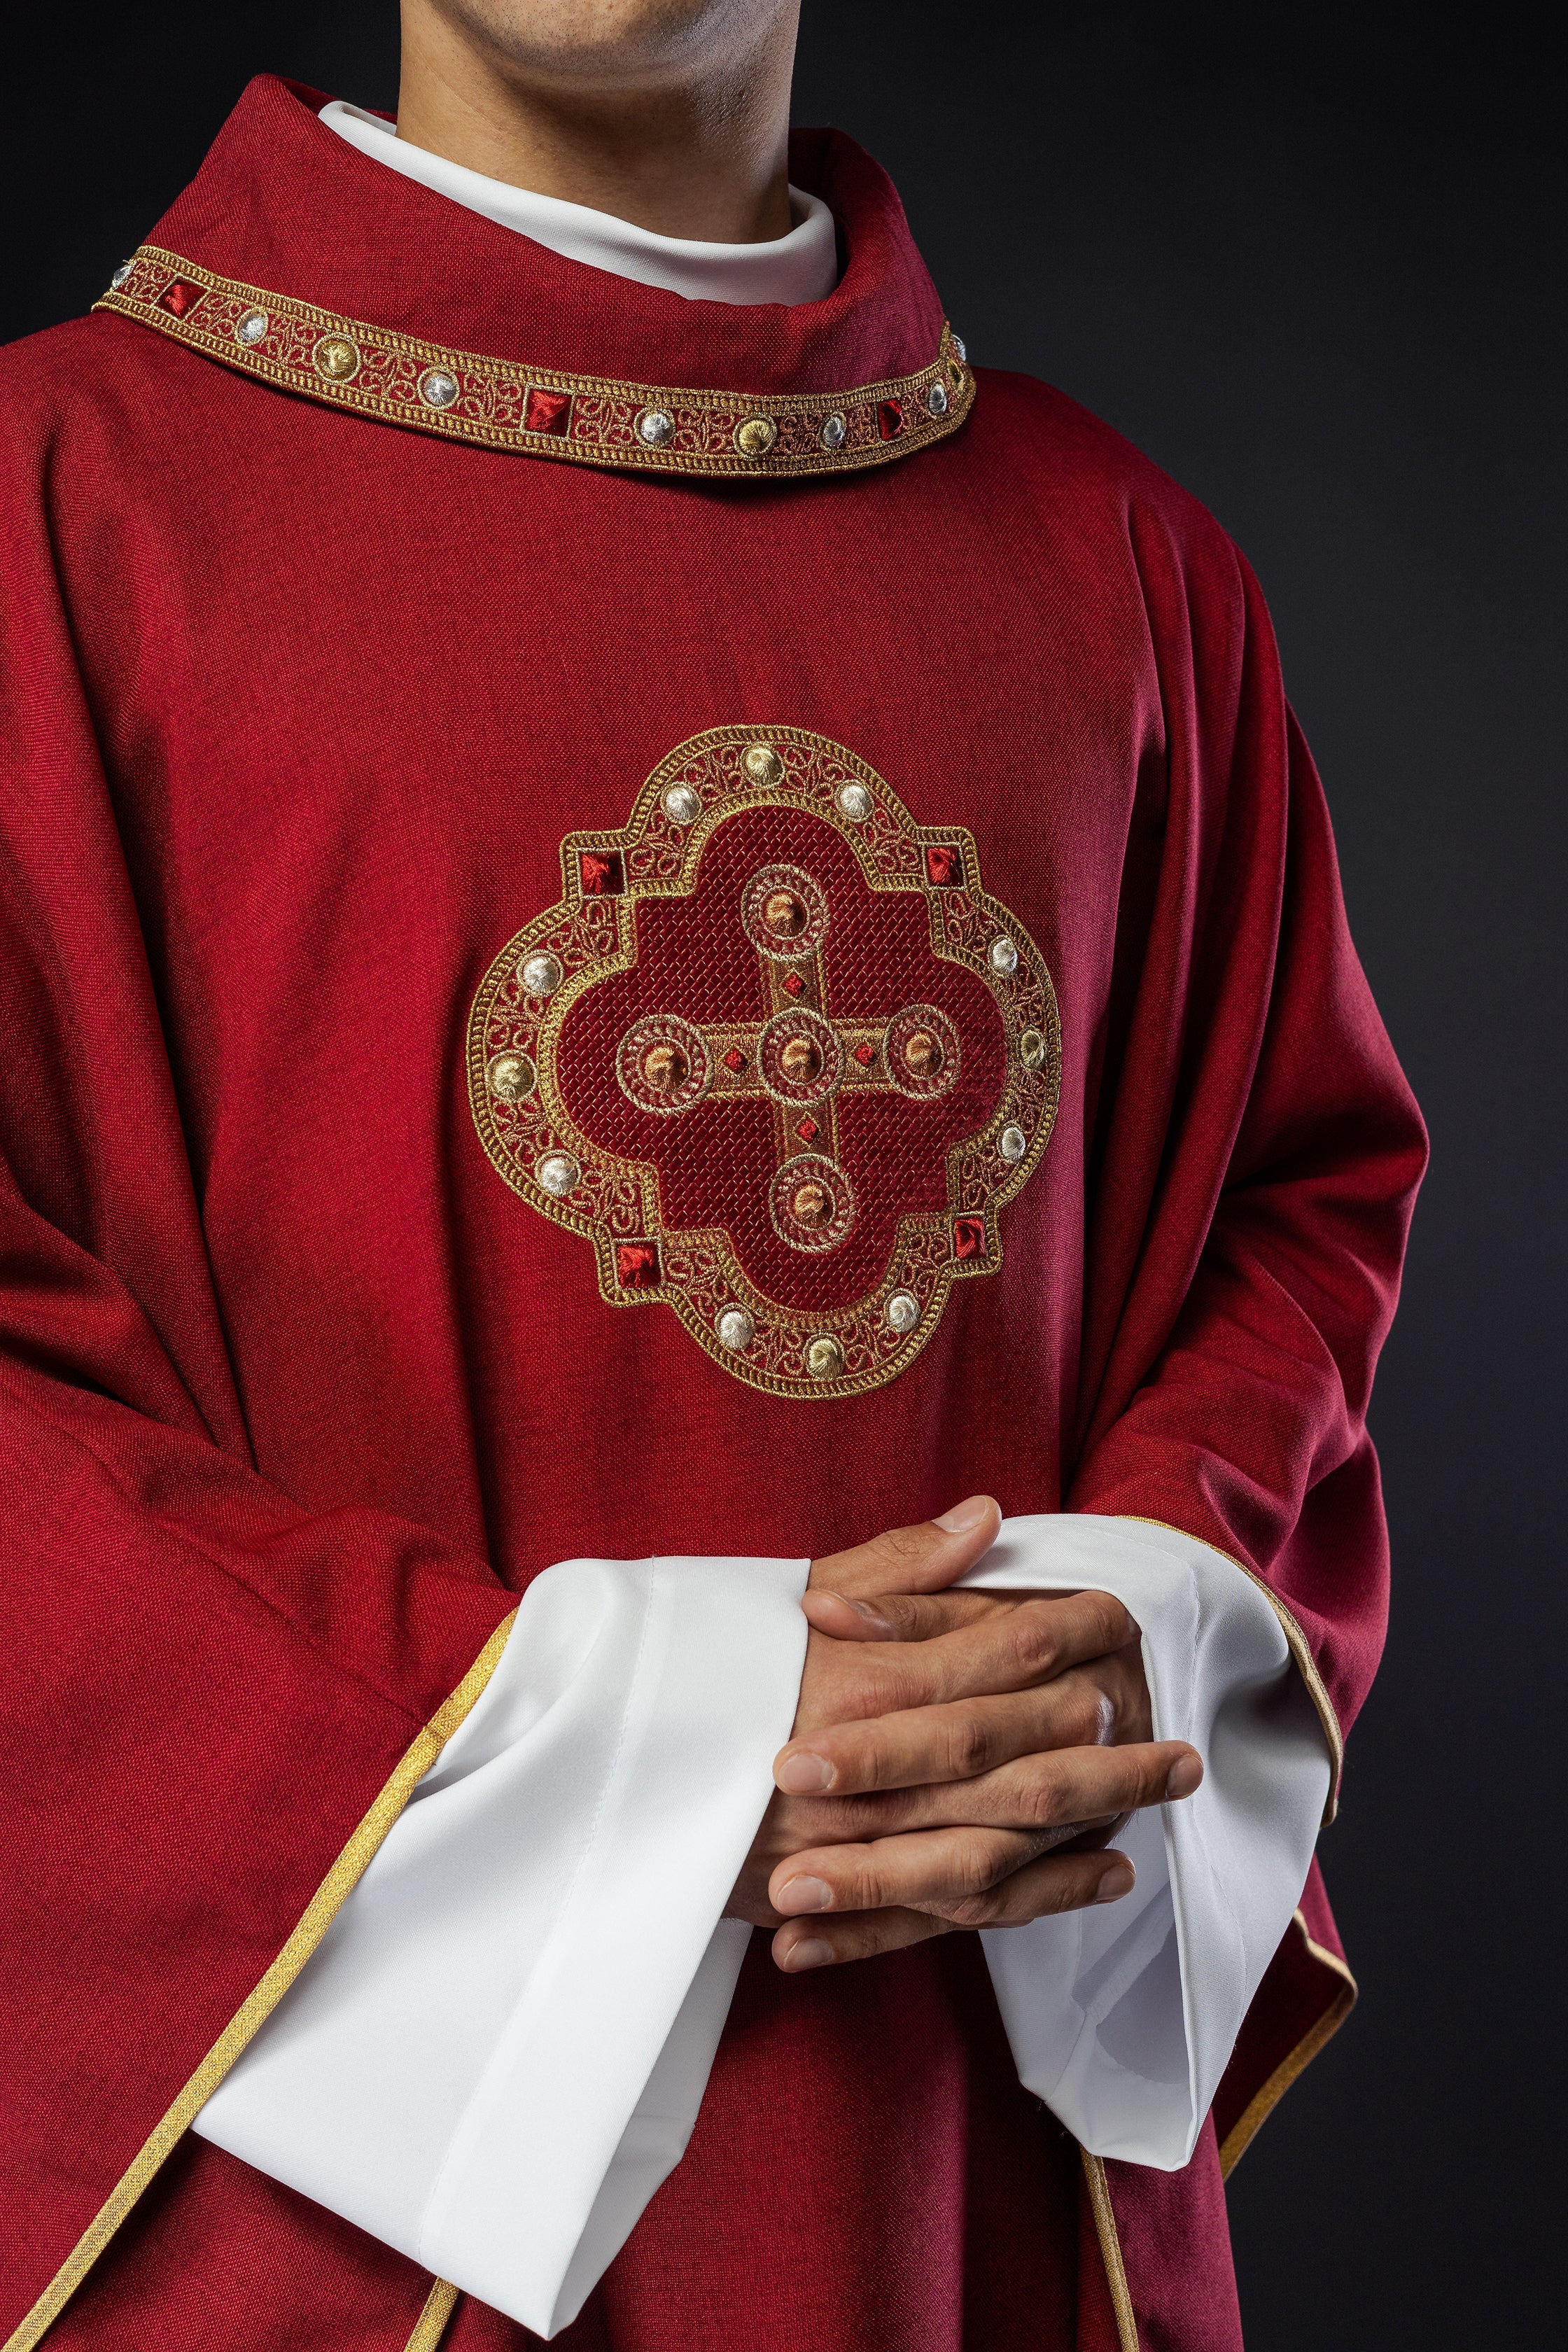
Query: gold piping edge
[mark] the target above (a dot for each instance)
(1258, 2108)
(380, 373)
(1300, 1650)
(1109, 2239)
(323, 1907)
(431, 2324)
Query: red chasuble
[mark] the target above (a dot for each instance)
(629, 927)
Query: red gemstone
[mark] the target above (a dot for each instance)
(602, 873)
(944, 865)
(637, 1265)
(889, 419)
(735, 1060)
(546, 412)
(968, 1237)
(179, 298)
(792, 984)
(808, 1131)
(865, 1056)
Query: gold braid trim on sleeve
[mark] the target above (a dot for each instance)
(1261, 2106)
(325, 1905)
(431, 2325)
(503, 405)
(1109, 2239)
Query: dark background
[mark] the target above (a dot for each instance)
(1310, 260)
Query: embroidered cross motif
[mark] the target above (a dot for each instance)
(778, 1054)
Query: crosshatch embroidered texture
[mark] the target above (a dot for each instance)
(777, 1055)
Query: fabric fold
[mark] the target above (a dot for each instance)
(1122, 2018)
(499, 2051)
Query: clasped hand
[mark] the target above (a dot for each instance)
(959, 1759)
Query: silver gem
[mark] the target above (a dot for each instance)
(437, 389)
(252, 327)
(855, 802)
(541, 974)
(958, 346)
(903, 1311)
(736, 1330)
(1031, 1049)
(936, 400)
(682, 805)
(1004, 955)
(832, 432)
(655, 427)
(1012, 1143)
(122, 275)
(557, 1174)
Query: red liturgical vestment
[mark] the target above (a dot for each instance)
(631, 929)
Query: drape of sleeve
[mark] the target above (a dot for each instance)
(1256, 1150)
(500, 2049)
(215, 1702)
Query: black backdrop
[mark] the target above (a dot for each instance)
(1306, 257)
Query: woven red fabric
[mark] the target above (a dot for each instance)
(297, 707)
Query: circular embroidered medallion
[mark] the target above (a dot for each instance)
(664, 1064)
(812, 1203)
(799, 1057)
(785, 913)
(921, 1053)
(732, 954)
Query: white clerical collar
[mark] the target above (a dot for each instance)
(800, 268)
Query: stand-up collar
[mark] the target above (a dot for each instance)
(303, 262)
(800, 267)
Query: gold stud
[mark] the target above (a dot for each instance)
(825, 1358)
(1031, 1049)
(762, 764)
(511, 1077)
(755, 436)
(336, 359)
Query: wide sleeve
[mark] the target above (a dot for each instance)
(500, 2050)
(1255, 1154)
(214, 1701)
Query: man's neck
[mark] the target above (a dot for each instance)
(694, 153)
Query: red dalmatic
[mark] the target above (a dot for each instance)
(415, 648)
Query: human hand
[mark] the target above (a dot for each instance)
(929, 1776)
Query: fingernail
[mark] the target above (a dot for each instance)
(964, 1515)
(1183, 1777)
(1115, 1884)
(798, 1894)
(811, 1953)
(872, 1616)
(803, 1774)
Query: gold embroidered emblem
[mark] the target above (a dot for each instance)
(778, 1054)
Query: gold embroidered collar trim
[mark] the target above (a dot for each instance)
(593, 420)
